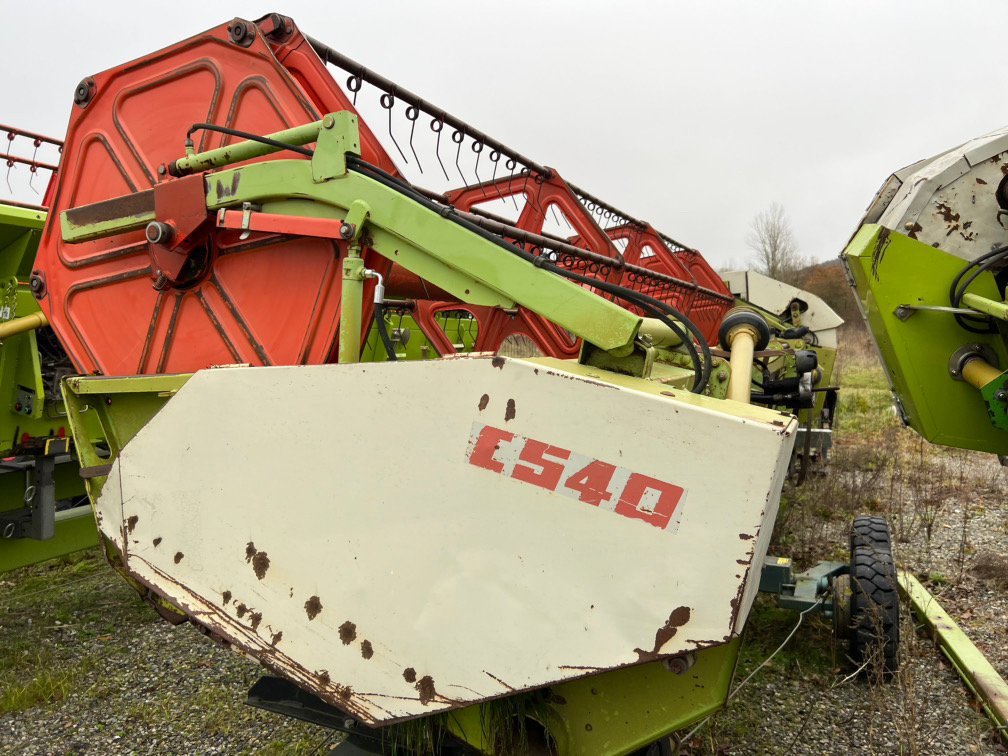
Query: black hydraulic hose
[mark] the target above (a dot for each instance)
(383, 334)
(655, 308)
(985, 262)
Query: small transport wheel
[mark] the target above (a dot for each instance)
(874, 598)
(663, 747)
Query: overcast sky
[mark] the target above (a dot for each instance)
(692, 115)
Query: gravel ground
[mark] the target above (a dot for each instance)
(85, 667)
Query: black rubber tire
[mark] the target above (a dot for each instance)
(663, 747)
(875, 606)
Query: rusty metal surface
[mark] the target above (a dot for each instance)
(273, 506)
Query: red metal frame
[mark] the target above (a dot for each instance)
(272, 298)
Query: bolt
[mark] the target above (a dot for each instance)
(162, 169)
(37, 285)
(722, 376)
(159, 233)
(328, 122)
(1001, 395)
(347, 230)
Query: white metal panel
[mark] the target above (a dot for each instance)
(331, 522)
(949, 201)
(775, 296)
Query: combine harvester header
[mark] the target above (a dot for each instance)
(551, 516)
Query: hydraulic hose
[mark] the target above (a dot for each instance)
(383, 334)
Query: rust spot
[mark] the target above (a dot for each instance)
(345, 692)
(312, 607)
(348, 632)
(227, 597)
(498, 362)
(250, 551)
(276, 638)
(260, 563)
(425, 687)
(679, 617)
(156, 541)
(483, 402)
(323, 676)
(509, 412)
(409, 674)
(241, 609)
(365, 649)
(131, 523)
(255, 618)
(178, 556)
(741, 561)
(915, 229)
(980, 181)
(745, 536)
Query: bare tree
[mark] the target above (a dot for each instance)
(773, 242)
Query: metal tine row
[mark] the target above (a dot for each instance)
(18, 141)
(515, 163)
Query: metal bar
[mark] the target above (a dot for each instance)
(298, 225)
(22, 324)
(247, 149)
(329, 55)
(987, 306)
(25, 205)
(974, 669)
(30, 135)
(25, 161)
(551, 242)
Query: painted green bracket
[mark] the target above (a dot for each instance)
(976, 672)
(902, 287)
(620, 711)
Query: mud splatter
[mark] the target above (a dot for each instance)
(366, 650)
(483, 402)
(178, 556)
(131, 523)
(409, 674)
(156, 542)
(226, 596)
(509, 412)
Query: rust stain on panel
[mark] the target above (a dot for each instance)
(425, 687)
(131, 523)
(366, 650)
(409, 674)
(483, 402)
(312, 607)
(348, 632)
(509, 412)
(258, 559)
(679, 617)
(178, 556)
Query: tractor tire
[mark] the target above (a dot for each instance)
(874, 598)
